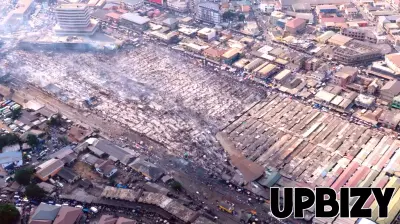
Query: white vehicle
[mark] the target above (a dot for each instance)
(94, 209)
(58, 205)
(16, 196)
(65, 204)
(3, 196)
(78, 206)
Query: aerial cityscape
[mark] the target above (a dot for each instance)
(189, 111)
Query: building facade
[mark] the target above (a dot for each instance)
(74, 20)
(209, 12)
(353, 33)
(178, 5)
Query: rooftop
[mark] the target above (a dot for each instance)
(294, 23)
(48, 167)
(68, 215)
(67, 174)
(209, 5)
(146, 168)
(392, 86)
(135, 18)
(170, 21)
(45, 212)
(71, 6)
(339, 39)
(63, 152)
(115, 152)
(394, 58)
(10, 157)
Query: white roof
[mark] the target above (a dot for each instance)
(325, 96)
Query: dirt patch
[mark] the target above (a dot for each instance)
(87, 172)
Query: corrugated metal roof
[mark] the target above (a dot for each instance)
(135, 18)
(344, 177)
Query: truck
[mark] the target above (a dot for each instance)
(226, 207)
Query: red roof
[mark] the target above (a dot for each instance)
(345, 176)
(358, 176)
(380, 184)
(113, 15)
(245, 8)
(294, 23)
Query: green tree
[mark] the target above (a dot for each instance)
(55, 120)
(241, 17)
(63, 139)
(228, 15)
(23, 176)
(9, 214)
(176, 185)
(32, 140)
(8, 139)
(15, 114)
(34, 191)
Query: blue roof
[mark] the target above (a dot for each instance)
(10, 157)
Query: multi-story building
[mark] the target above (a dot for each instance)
(74, 20)
(353, 33)
(134, 21)
(178, 5)
(390, 90)
(133, 4)
(207, 34)
(365, 101)
(389, 119)
(355, 51)
(312, 64)
(209, 12)
(345, 76)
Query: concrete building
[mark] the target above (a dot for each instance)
(301, 7)
(134, 21)
(312, 64)
(230, 56)
(354, 33)
(133, 4)
(295, 26)
(326, 9)
(393, 62)
(389, 119)
(365, 101)
(18, 16)
(390, 90)
(172, 23)
(209, 12)
(267, 6)
(207, 34)
(345, 76)
(355, 51)
(289, 3)
(178, 5)
(74, 20)
(373, 86)
(351, 11)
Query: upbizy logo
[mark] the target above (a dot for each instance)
(350, 205)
